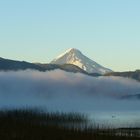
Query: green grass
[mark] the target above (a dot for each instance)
(32, 124)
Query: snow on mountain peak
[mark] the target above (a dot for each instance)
(75, 57)
(72, 50)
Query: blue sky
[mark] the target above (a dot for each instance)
(107, 31)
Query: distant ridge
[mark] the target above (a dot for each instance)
(7, 64)
(13, 65)
(128, 74)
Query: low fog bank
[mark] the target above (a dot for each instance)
(63, 91)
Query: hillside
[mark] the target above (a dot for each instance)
(130, 74)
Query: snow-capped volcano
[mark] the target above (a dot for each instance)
(75, 57)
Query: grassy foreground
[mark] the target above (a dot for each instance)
(37, 125)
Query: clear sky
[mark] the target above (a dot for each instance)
(107, 31)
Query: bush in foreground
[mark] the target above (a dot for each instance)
(33, 124)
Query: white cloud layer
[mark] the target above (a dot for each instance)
(62, 90)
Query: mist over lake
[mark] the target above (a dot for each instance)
(100, 97)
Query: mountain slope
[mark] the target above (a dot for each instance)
(12, 65)
(75, 57)
(7, 64)
(130, 74)
(65, 67)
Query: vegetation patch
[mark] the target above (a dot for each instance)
(33, 124)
